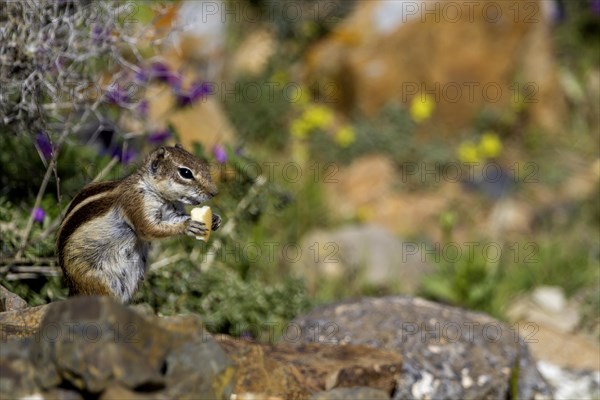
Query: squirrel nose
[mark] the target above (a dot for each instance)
(212, 190)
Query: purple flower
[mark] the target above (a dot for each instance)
(142, 108)
(97, 32)
(159, 69)
(141, 76)
(116, 95)
(557, 12)
(124, 157)
(159, 137)
(219, 153)
(100, 33)
(197, 91)
(162, 73)
(38, 214)
(200, 90)
(595, 6)
(43, 145)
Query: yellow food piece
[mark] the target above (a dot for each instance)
(203, 214)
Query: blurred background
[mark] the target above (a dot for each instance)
(448, 150)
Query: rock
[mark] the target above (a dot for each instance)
(546, 305)
(199, 368)
(17, 373)
(260, 376)
(21, 323)
(120, 392)
(66, 394)
(447, 352)
(253, 53)
(370, 189)
(91, 341)
(403, 347)
(291, 370)
(553, 345)
(10, 301)
(351, 393)
(571, 384)
(465, 56)
(367, 180)
(368, 253)
(550, 298)
(101, 348)
(327, 367)
(509, 215)
(199, 36)
(203, 122)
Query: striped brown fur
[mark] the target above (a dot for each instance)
(91, 190)
(104, 237)
(74, 220)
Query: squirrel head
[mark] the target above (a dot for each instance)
(179, 176)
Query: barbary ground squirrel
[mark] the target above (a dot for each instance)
(104, 237)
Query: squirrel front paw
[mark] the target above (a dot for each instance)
(195, 228)
(216, 222)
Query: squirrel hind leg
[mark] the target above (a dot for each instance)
(89, 285)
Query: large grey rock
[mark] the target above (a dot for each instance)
(369, 253)
(17, 373)
(447, 352)
(97, 347)
(91, 341)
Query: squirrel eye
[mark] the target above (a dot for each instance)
(186, 173)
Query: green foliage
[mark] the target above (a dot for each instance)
(466, 280)
(577, 36)
(469, 283)
(394, 135)
(13, 220)
(228, 303)
(23, 168)
(258, 109)
(237, 291)
(565, 258)
(39, 291)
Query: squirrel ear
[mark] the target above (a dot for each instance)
(179, 146)
(157, 157)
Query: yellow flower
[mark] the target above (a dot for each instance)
(345, 136)
(300, 128)
(490, 145)
(280, 77)
(309, 28)
(318, 116)
(421, 108)
(364, 213)
(468, 152)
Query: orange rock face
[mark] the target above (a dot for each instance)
(465, 56)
